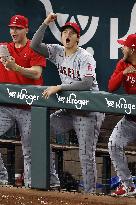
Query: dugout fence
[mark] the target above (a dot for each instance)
(85, 100)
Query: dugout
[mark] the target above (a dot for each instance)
(106, 20)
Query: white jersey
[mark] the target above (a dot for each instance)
(75, 67)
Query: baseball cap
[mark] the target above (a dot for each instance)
(18, 21)
(73, 25)
(130, 41)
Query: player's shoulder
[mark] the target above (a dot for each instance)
(85, 55)
(84, 52)
(122, 63)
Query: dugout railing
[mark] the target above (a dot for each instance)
(83, 100)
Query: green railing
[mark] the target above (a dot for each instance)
(83, 100)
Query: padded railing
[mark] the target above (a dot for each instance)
(83, 100)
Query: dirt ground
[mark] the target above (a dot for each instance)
(21, 196)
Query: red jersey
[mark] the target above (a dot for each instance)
(127, 81)
(26, 58)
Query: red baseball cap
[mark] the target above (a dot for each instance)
(130, 41)
(73, 25)
(18, 21)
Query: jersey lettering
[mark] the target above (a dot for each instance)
(131, 80)
(69, 72)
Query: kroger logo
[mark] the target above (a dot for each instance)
(23, 95)
(72, 99)
(121, 104)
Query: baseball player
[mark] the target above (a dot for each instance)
(19, 65)
(125, 130)
(76, 68)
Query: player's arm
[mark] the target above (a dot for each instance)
(117, 77)
(36, 43)
(33, 72)
(85, 84)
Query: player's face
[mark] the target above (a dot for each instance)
(69, 38)
(127, 52)
(18, 34)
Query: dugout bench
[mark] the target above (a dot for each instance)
(10, 145)
(101, 151)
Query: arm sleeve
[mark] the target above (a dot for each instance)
(84, 84)
(47, 50)
(117, 78)
(36, 43)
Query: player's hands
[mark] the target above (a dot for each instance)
(10, 64)
(50, 18)
(4, 60)
(129, 69)
(50, 91)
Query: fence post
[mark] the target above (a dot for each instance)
(40, 170)
(106, 174)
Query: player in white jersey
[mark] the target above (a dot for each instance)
(77, 72)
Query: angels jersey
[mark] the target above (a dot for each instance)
(74, 67)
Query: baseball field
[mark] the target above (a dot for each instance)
(21, 196)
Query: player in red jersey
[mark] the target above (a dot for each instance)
(19, 65)
(125, 72)
(125, 131)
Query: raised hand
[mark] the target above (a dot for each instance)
(50, 18)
